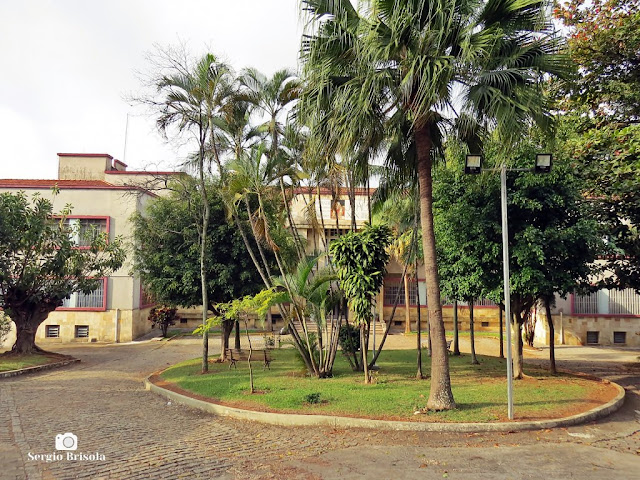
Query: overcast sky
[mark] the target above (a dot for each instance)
(68, 66)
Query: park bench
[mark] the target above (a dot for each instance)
(449, 342)
(233, 356)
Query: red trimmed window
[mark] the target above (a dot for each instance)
(87, 228)
(95, 301)
(391, 291)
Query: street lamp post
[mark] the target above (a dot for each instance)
(473, 165)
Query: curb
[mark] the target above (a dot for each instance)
(38, 368)
(291, 420)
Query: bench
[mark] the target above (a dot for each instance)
(449, 342)
(233, 356)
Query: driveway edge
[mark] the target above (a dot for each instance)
(38, 368)
(284, 419)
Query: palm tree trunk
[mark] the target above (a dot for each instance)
(419, 374)
(518, 357)
(407, 313)
(363, 350)
(203, 249)
(440, 395)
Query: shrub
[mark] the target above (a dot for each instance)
(163, 317)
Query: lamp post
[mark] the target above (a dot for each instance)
(473, 165)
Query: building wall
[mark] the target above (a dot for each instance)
(575, 330)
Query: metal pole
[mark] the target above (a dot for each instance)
(507, 292)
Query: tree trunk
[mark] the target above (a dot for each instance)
(27, 323)
(226, 328)
(203, 249)
(419, 373)
(363, 349)
(456, 339)
(474, 359)
(237, 339)
(552, 334)
(518, 358)
(440, 395)
(407, 313)
(501, 308)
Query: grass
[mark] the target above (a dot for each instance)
(16, 362)
(479, 390)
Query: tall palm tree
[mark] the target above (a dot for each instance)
(190, 98)
(438, 63)
(272, 98)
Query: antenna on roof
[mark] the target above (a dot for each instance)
(126, 132)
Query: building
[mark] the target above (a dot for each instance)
(104, 195)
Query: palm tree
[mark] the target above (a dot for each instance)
(272, 97)
(438, 63)
(190, 98)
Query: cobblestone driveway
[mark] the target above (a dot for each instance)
(102, 401)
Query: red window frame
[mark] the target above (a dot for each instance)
(103, 308)
(89, 217)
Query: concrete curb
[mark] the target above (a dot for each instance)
(38, 368)
(284, 419)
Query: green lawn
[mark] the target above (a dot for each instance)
(479, 390)
(15, 362)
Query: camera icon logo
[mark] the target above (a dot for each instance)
(66, 441)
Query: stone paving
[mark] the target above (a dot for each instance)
(141, 435)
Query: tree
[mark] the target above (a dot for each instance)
(464, 216)
(167, 251)
(189, 97)
(600, 130)
(41, 265)
(406, 61)
(361, 261)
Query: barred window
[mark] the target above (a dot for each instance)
(94, 299)
(624, 302)
(607, 302)
(85, 230)
(586, 304)
(391, 290)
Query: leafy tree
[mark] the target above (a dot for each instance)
(600, 130)
(552, 241)
(423, 63)
(361, 261)
(167, 251)
(40, 264)
(464, 216)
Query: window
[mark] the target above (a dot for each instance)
(52, 331)
(620, 337)
(85, 230)
(593, 338)
(391, 290)
(485, 324)
(82, 331)
(183, 320)
(95, 300)
(624, 302)
(586, 304)
(607, 302)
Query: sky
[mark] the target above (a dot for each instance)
(69, 67)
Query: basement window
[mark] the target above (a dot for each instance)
(485, 324)
(593, 338)
(183, 320)
(82, 331)
(52, 331)
(620, 337)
